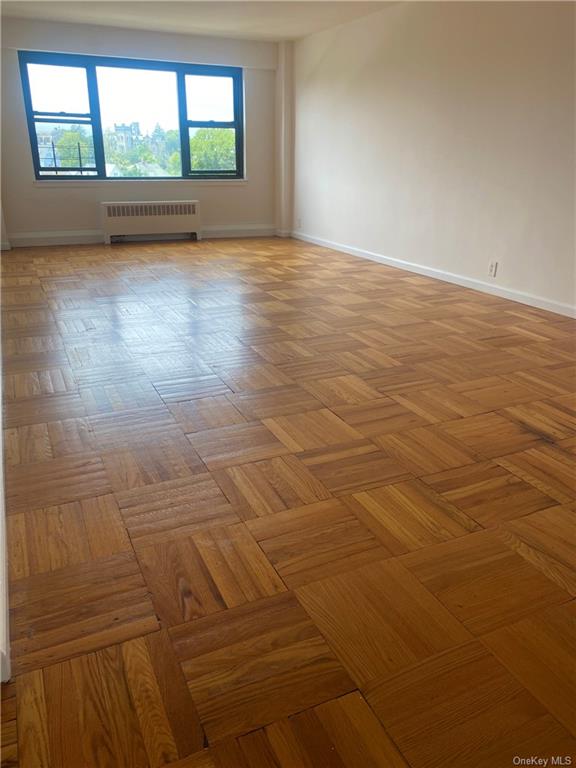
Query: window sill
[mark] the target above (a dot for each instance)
(73, 183)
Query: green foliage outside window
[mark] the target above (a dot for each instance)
(134, 155)
(213, 149)
(74, 148)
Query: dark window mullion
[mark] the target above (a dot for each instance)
(68, 168)
(97, 136)
(183, 124)
(63, 119)
(210, 124)
(239, 123)
(81, 115)
(29, 112)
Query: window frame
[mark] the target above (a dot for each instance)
(93, 118)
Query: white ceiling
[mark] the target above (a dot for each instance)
(249, 20)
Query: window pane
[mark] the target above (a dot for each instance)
(139, 109)
(213, 149)
(64, 174)
(64, 145)
(58, 89)
(210, 98)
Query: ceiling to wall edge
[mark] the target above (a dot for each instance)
(260, 21)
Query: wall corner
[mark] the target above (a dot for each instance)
(284, 138)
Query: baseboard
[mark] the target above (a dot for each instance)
(53, 237)
(5, 245)
(239, 230)
(88, 236)
(5, 673)
(450, 277)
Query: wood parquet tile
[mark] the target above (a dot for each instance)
(253, 378)
(554, 419)
(314, 429)
(409, 516)
(246, 478)
(54, 381)
(71, 436)
(435, 730)
(437, 404)
(470, 576)
(425, 450)
(548, 468)
(44, 540)
(108, 374)
(269, 486)
(489, 493)
(312, 542)
(123, 705)
(524, 649)
(122, 396)
(206, 413)
(8, 727)
(403, 378)
(172, 509)
(379, 417)
(57, 481)
(352, 467)
(281, 401)
(544, 540)
(77, 609)
(379, 619)
(209, 571)
(341, 390)
(167, 458)
(236, 444)
(24, 412)
(25, 445)
(182, 388)
(494, 392)
(491, 434)
(41, 442)
(341, 732)
(550, 380)
(318, 367)
(252, 665)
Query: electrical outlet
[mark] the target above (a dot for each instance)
(492, 268)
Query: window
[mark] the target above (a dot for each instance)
(92, 117)
(210, 122)
(140, 127)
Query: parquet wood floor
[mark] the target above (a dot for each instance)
(272, 506)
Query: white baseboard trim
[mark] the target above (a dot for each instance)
(239, 230)
(5, 673)
(53, 237)
(5, 245)
(450, 277)
(88, 236)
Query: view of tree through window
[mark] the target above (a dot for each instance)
(128, 122)
(139, 111)
(212, 149)
(65, 145)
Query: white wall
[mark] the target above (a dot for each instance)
(4, 242)
(442, 134)
(4, 608)
(38, 211)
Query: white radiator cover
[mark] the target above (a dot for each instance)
(151, 217)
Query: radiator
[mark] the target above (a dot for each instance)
(158, 217)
